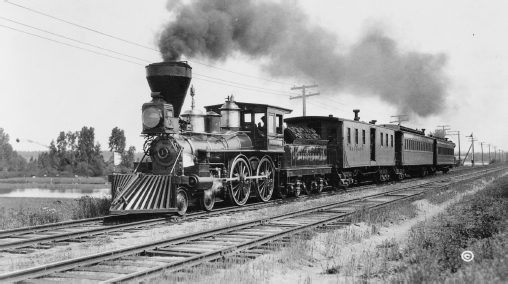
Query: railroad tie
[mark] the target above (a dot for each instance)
(79, 276)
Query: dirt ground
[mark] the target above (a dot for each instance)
(352, 252)
(11, 262)
(292, 274)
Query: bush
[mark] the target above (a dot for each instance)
(90, 207)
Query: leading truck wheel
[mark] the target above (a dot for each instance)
(264, 186)
(208, 200)
(182, 201)
(239, 189)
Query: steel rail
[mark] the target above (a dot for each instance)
(115, 254)
(235, 249)
(70, 224)
(47, 227)
(74, 235)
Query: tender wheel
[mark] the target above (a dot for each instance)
(296, 191)
(320, 188)
(182, 201)
(208, 200)
(239, 190)
(264, 186)
(316, 186)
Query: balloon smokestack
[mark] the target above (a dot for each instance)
(171, 79)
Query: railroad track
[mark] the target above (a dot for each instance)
(247, 239)
(25, 240)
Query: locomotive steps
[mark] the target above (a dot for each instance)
(180, 252)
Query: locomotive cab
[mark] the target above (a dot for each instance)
(264, 124)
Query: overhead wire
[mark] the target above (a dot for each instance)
(236, 85)
(246, 87)
(103, 54)
(136, 44)
(271, 91)
(58, 35)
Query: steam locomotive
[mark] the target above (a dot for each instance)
(237, 151)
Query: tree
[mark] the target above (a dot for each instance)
(85, 149)
(9, 159)
(117, 140)
(71, 144)
(74, 152)
(128, 157)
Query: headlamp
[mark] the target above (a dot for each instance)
(152, 116)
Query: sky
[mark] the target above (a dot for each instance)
(89, 69)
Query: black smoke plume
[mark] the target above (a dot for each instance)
(217, 29)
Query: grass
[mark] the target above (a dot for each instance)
(89, 207)
(23, 212)
(477, 223)
(340, 253)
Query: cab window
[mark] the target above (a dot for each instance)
(278, 123)
(271, 124)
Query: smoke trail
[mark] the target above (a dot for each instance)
(217, 29)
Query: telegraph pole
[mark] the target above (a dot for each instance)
(472, 145)
(458, 136)
(3, 156)
(304, 95)
(489, 153)
(400, 118)
(481, 145)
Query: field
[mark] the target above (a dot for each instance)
(27, 211)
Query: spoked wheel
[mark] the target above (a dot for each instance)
(239, 190)
(264, 186)
(319, 187)
(208, 200)
(182, 201)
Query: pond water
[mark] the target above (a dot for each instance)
(55, 193)
(476, 163)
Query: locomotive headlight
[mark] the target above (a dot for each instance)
(151, 117)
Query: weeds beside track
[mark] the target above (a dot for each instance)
(247, 239)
